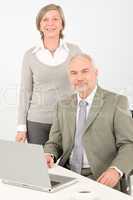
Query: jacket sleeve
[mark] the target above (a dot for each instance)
(25, 92)
(54, 144)
(123, 131)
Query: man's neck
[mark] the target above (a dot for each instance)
(85, 94)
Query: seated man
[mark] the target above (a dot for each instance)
(92, 130)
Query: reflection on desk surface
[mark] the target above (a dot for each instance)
(84, 195)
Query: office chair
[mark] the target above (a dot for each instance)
(126, 182)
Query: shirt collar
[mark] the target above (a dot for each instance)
(88, 99)
(39, 46)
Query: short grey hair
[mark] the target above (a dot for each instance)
(82, 55)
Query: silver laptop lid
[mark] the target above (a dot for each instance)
(23, 164)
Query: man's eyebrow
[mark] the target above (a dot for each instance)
(85, 68)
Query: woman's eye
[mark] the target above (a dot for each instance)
(45, 19)
(55, 19)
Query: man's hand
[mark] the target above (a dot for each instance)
(110, 177)
(49, 160)
(20, 136)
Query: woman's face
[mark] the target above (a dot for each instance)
(51, 24)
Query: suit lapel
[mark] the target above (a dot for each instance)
(95, 108)
(71, 108)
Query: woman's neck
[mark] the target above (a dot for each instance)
(51, 43)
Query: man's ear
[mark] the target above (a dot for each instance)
(97, 72)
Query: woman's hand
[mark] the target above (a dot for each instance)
(20, 136)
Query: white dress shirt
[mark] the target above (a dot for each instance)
(46, 57)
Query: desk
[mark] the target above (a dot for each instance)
(98, 191)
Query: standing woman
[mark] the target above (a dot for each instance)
(44, 78)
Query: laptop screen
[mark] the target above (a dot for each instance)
(24, 165)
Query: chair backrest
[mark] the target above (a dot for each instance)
(132, 113)
(125, 182)
(128, 178)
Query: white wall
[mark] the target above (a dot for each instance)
(103, 28)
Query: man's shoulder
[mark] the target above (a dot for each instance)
(68, 100)
(111, 94)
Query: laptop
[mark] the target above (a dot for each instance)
(24, 165)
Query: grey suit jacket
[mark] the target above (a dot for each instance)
(108, 133)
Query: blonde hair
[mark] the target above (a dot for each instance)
(43, 11)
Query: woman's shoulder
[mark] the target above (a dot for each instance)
(29, 53)
(73, 47)
(30, 50)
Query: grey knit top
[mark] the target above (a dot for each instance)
(42, 86)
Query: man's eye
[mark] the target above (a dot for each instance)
(85, 70)
(73, 73)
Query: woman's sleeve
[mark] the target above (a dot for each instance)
(25, 91)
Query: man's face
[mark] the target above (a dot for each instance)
(82, 75)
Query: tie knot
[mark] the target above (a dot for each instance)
(83, 103)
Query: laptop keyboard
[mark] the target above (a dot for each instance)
(54, 183)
